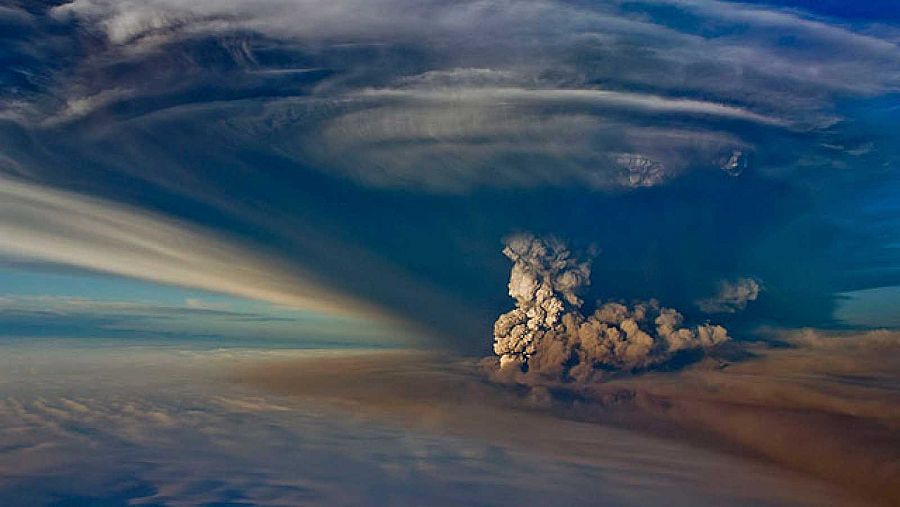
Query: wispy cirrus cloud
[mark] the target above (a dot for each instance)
(538, 64)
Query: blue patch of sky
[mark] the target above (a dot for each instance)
(66, 303)
(861, 11)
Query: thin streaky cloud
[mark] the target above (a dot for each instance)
(642, 101)
(60, 227)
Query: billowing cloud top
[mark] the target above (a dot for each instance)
(547, 335)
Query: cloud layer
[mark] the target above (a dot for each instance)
(823, 405)
(162, 427)
(441, 97)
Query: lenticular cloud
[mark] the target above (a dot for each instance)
(547, 335)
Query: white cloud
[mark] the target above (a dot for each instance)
(70, 229)
(175, 427)
(638, 101)
(450, 139)
(78, 107)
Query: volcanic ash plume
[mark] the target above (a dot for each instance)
(546, 334)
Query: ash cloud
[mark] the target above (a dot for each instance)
(547, 335)
(732, 297)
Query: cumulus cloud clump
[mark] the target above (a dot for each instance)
(547, 335)
(732, 297)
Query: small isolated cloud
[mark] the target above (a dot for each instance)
(642, 171)
(732, 297)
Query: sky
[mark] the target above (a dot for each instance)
(423, 252)
(365, 160)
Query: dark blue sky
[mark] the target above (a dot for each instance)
(869, 11)
(364, 160)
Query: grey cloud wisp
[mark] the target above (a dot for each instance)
(450, 97)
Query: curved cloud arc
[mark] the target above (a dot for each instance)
(61, 227)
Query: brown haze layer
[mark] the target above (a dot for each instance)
(825, 406)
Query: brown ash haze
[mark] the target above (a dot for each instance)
(823, 406)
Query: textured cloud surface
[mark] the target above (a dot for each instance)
(162, 428)
(823, 405)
